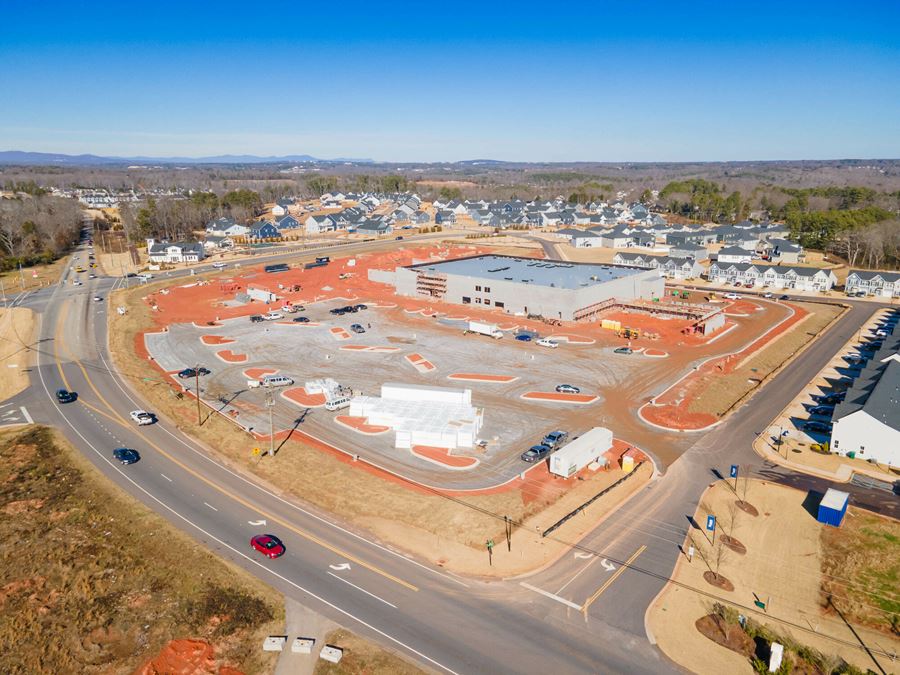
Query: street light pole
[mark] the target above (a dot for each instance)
(197, 391)
(270, 404)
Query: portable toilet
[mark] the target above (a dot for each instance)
(833, 507)
(627, 463)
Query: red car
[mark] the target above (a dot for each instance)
(268, 544)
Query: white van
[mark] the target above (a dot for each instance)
(145, 276)
(338, 403)
(277, 381)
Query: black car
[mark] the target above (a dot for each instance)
(822, 410)
(338, 311)
(126, 455)
(829, 399)
(65, 396)
(536, 453)
(356, 328)
(300, 319)
(816, 427)
(193, 372)
(351, 308)
(256, 318)
(359, 307)
(784, 297)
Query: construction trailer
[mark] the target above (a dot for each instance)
(587, 448)
(833, 507)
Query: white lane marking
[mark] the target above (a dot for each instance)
(232, 548)
(305, 512)
(584, 555)
(166, 477)
(577, 574)
(548, 594)
(362, 589)
(339, 567)
(257, 523)
(6, 405)
(211, 506)
(608, 566)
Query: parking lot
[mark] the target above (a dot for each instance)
(410, 341)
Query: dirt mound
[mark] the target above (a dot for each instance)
(186, 657)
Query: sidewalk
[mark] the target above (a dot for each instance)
(300, 621)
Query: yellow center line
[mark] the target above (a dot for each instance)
(57, 337)
(609, 581)
(240, 500)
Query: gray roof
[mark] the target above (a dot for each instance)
(868, 275)
(877, 389)
(566, 275)
(736, 250)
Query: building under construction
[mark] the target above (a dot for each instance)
(550, 289)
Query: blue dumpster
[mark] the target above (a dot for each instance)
(833, 507)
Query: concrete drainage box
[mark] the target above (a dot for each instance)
(331, 654)
(274, 643)
(302, 645)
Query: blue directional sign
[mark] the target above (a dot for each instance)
(734, 470)
(711, 523)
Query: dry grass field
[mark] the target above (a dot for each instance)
(33, 277)
(16, 331)
(362, 657)
(93, 582)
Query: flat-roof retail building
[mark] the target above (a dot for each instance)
(548, 288)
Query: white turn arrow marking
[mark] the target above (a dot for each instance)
(583, 555)
(342, 566)
(608, 566)
(256, 523)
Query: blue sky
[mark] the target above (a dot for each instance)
(599, 81)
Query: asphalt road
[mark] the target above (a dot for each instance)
(443, 622)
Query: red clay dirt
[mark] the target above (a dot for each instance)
(340, 333)
(215, 340)
(361, 425)
(186, 657)
(299, 396)
(419, 362)
(674, 404)
(231, 357)
(259, 373)
(443, 456)
(482, 377)
(557, 397)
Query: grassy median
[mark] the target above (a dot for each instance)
(92, 581)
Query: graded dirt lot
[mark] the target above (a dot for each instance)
(16, 331)
(784, 567)
(186, 324)
(92, 581)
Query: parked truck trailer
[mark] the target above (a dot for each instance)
(574, 456)
(481, 328)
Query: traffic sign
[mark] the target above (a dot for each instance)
(710, 523)
(734, 470)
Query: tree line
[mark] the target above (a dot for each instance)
(37, 229)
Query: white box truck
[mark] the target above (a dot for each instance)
(574, 456)
(489, 329)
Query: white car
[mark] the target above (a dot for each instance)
(731, 296)
(547, 342)
(768, 295)
(273, 316)
(77, 283)
(219, 265)
(97, 298)
(142, 417)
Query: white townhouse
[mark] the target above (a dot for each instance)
(164, 252)
(882, 284)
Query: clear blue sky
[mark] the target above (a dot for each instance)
(602, 81)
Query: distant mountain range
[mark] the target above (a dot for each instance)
(55, 159)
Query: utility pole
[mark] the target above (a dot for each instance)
(197, 391)
(270, 404)
(2, 292)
